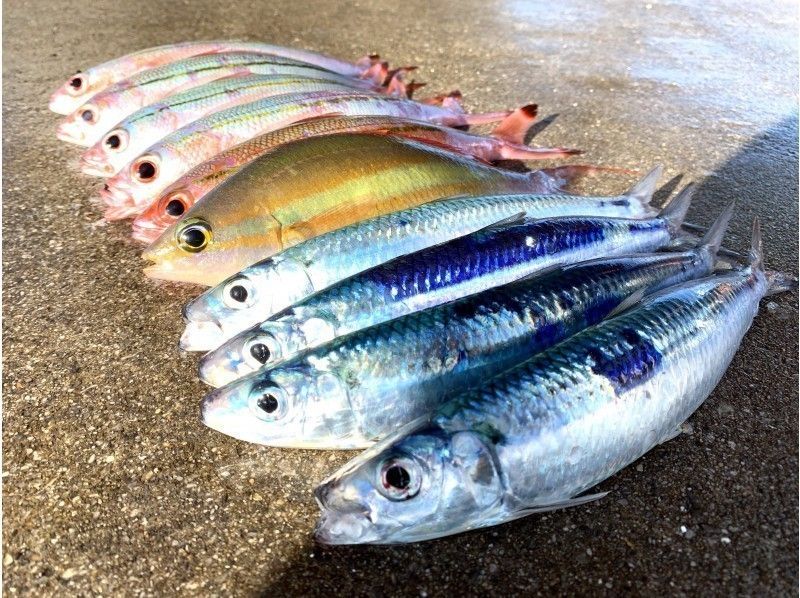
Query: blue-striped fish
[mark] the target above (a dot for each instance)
(260, 291)
(485, 259)
(361, 387)
(538, 436)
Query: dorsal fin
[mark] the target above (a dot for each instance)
(712, 240)
(675, 210)
(644, 189)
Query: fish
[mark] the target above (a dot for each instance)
(306, 188)
(495, 255)
(80, 87)
(267, 287)
(360, 388)
(133, 135)
(506, 142)
(135, 187)
(87, 125)
(539, 435)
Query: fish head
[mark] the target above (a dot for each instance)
(87, 124)
(165, 211)
(76, 91)
(243, 300)
(216, 238)
(137, 184)
(263, 345)
(109, 155)
(423, 482)
(293, 405)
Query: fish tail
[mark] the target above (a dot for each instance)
(777, 282)
(514, 127)
(646, 187)
(397, 87)
(377, 72)
(675, 210)
(439, 100)
(712, 240)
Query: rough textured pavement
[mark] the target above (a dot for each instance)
(111, 485)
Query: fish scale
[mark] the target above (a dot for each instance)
(146, 126)
(311, 266)
(206, 137)
(124, 98)
(389, 374)
(432, 276)
(656, 357)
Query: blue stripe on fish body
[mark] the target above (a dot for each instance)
(626, 364)
(482, 253)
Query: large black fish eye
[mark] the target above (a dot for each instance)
(397, 477)
(88, 115)
(260, 352)
(76, 83)
(268, 403)
(113, 141)
(146, 170)
(175, 208)
(238, 293)
(194, 236)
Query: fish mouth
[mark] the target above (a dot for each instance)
(95, 166)
(336, 528)
(201, 335)
(114, 196)
(65, 133)
(145, 231)
(61, 103)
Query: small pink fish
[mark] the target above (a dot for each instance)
(79, 88)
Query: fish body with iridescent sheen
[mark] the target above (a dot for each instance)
(135, 187)
(260, 291)
(83, 85)
(193, 186)
(537, 436)
(361, 387)
(433, 276)
(130, 137)
(87, 125)
(306, 188)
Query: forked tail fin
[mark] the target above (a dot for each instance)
(777, 282)
(675, 210)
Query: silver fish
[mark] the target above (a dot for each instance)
(262, 290)
(488, 258)
(360, 388)
(536, 437)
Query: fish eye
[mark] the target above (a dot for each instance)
(116, 141)
(401, 478)
(268, 402)
(239, 293)
(257, 351)
(76, 84)
(175, 205)
(194, 236)
(88, 115)
(145, 169)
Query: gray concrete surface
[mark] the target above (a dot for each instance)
(112, 486)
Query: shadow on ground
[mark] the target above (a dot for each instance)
(683, 476)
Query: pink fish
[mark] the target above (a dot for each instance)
(81, 86)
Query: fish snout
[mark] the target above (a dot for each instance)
(93, 162)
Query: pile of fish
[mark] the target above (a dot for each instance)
(498, 345)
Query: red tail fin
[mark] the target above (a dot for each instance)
(516, 125)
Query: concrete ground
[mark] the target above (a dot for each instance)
(112, 486)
